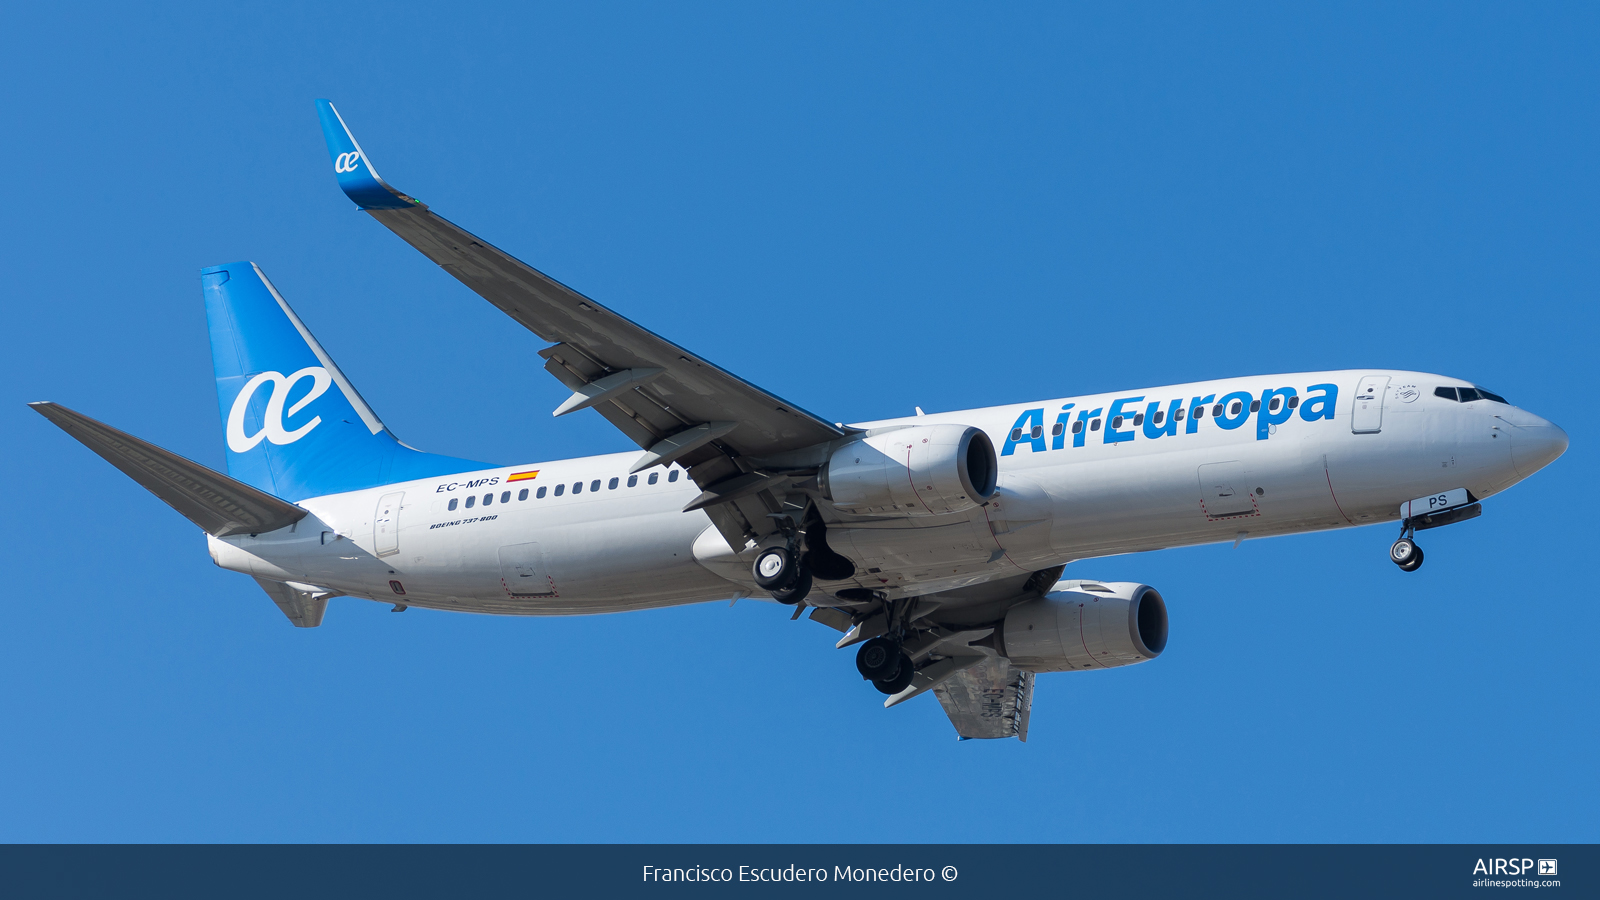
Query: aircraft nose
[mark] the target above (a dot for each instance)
(1536, 445)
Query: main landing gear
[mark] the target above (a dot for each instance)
(1404, 552)
(882, 662)
(784, 573)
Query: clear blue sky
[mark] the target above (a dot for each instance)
(861, 209)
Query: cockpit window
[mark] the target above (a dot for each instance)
(1469, 394)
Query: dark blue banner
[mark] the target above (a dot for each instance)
(1022, 870)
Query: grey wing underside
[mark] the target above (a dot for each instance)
(989, 700)
(593, 342)
(677, 407)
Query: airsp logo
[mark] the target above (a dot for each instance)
(272, 427)
(347, 162)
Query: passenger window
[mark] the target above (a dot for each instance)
(654, 477)
(1177, 415)
(1495, 397)
(453, 502)
(1446, 393)
(1276, 402)
(471, 501)
(540, 495)
(1037, 430)
(488, 499)
(1077, 426)
(1056, 429)
(577, 487)
(1199, 412)
(1117, 422)
(611, 485)
(560, 489)
(522, 494)
(1255, 405)
(1138, 418)
(1235, 410)
(1158, 416)
(1293, 402)
(1095, 425)
(633, 480)
(1469, 394)
(1016, 435)
(505, 496)
(595, 485)
(673, 475)
(1216, 410)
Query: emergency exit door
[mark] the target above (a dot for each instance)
(1367, 415)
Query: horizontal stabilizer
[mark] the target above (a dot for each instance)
(218, 504)
(304, 608)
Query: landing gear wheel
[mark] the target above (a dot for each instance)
(775, 569)
(797, 591)
(1403, 551)
(901, 679)
(1414, 563)
(878, 658)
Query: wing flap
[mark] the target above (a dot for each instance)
(988, 700)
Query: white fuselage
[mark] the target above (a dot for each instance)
(1113, 487)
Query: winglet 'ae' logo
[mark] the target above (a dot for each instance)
(347, 162)
(272, 427)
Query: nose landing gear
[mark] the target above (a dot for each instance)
(1404, 552)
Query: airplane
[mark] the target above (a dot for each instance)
(934, 543)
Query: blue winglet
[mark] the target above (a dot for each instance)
(357, 178)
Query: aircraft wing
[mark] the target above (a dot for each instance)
(988, 700)
(673, 404)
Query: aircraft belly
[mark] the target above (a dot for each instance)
(603, 556)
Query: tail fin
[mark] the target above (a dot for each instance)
(295, 426)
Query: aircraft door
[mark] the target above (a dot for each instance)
(386, 524)
(523, 574)
(1367, 415)
(1225, 490)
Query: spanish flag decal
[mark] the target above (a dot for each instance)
(524, 476)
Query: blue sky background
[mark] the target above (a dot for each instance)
(862, 209)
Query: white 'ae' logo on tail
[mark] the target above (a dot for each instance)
(272, 427)
(347, 162)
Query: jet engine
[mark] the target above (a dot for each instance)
(1088, 625)
(924, 470)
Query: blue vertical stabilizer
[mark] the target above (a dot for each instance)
(294, 425)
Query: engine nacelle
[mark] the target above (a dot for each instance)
(1089, 625)
(924, 470)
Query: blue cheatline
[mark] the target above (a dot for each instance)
(294, 425)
